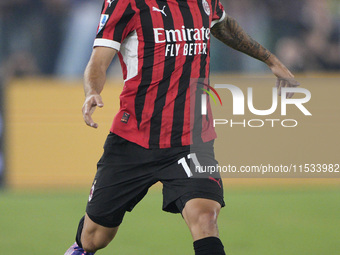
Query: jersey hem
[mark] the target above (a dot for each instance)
(146, 145)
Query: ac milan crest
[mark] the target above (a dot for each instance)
(206, 7)
(92, 190)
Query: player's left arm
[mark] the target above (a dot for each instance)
(232, 34)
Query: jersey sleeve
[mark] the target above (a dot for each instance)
(115, 23)
(218, 13)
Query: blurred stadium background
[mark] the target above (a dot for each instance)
(48, 156)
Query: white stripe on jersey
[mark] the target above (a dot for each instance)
(129, 51)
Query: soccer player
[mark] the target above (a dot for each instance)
(158, 133)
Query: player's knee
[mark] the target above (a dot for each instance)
(204, 225)
(207, 219)
(201, 213)
(93, 243)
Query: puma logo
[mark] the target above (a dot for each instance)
(158, 10)
(110, 2)
(215, 180)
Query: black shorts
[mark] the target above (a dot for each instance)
(126, 171)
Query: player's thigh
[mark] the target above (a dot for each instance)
(120, 182)
(180, 187)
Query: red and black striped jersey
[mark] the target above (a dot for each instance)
(163, 47)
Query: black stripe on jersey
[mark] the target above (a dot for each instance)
(206, 24)
(121, 25)
(213, 6)
(169, 67)
(197, 129)
(178, 120)
(149, 46)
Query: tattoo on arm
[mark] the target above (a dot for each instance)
(232, 34)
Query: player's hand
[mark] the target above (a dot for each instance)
(286, 82)
(90, 104)
(284, 77)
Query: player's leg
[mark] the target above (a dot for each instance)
(201, 217)
(118, 186)
(91, 237)
(200, 205)
(197, 195)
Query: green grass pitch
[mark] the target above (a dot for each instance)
(261, 221)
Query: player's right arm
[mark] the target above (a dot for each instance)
(94, 80)
(232, 34)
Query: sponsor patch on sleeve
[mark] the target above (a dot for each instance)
(103, 20)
